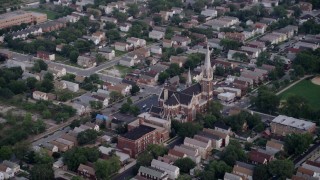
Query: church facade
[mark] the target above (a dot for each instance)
(185, 104)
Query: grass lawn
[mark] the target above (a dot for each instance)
(50, 14)
(123, 69)
(120, 53)
(306, 89)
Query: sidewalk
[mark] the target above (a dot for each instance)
(127, 166)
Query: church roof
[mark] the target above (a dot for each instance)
(192, 90)
(172, 100)
(178, 98)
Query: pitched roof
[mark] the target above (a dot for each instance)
(152, 171)
(138, 132)
(274, 145)
(192, 90)
(89, 169)
(221, 125)
(259, 157)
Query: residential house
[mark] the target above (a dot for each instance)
(243, 170)
(108, 19)
(14, 166)
(257, 44)
(136, 42)
(86, 61)
(45, 55)
(124, 27)
(191, 152)
(136, 141)
(274, 146)
(38, 95)
(158, 35)
(80, 108)
(270, 3)
(230, 176)
(225, 137)
(173, 171)
(176, 154)
(152, 173)
(141, 53)
(120, 46)
(71, 86)
(87, 172)
(107, 53)
(223, 128)
(203, 147)
(181, 40)
(258, 157)
(180, 60)
(57, 71)
(214, 43)
(124, 89)
(252, 52)
(106, 151)
(211, 13)
(156, 50)
(284, 125)
(8, 173)
(167, 43)
(127, 61)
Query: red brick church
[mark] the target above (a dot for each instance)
(184, 105)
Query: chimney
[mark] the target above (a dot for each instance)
(165, 94)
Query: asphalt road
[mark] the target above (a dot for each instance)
(52, 137)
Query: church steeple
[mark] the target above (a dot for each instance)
(189, 79)
(207, 71)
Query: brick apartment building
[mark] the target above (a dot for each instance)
(283, 125)
(137, 140)
(18, 17)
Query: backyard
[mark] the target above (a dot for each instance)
(306, 89)
(50, 14)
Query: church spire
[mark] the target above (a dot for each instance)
(189, 80)
(207, 71)
(207, 62)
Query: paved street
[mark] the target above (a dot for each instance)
(52, 137)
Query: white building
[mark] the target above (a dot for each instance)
(226, 96)
(156, 35)
(71, 86)
(203, 147)
(172, 170)
(209, 13)
(38, 95)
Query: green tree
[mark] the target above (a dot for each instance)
(125, 108)
(96, 104)
(105, 168)
(31, 82)
(282, 169)
(87, 136)
(230, 44)
(163, 76)
(5, 152)
(133, 10)
(115, 96)
(266, 101)
(209, 121)
(157, 150)
(74, 56)
(232, 153)
(144, 159)
(79, 155)
(134, 90)
(42, 171)
(297, 143)
(185, 164)
(134, 110)
(216, 169)
(261, 172)
(188, 129)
